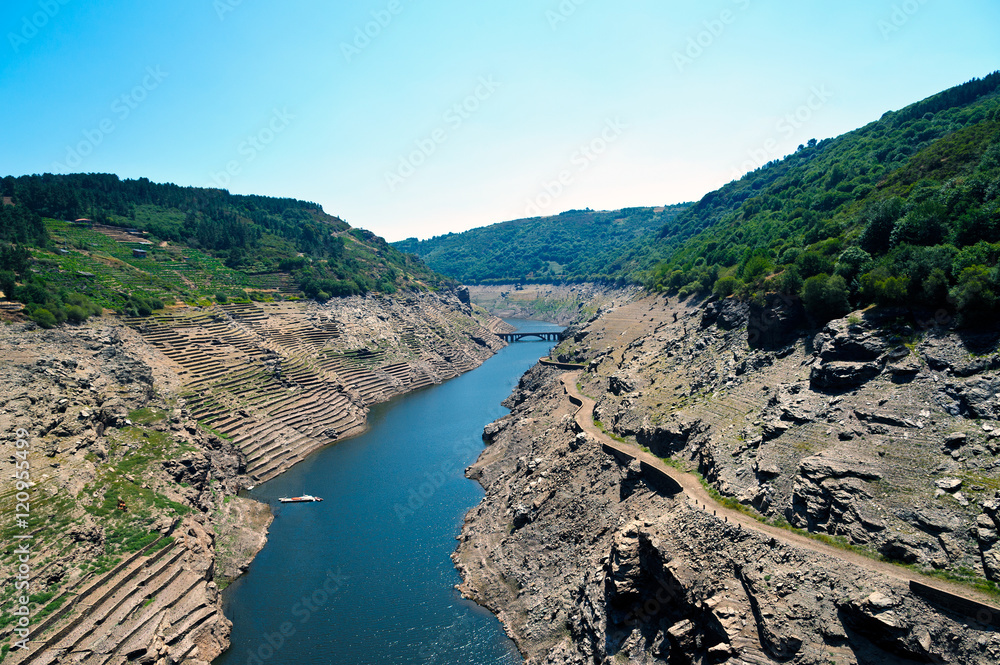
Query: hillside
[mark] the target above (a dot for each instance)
(575, 246)
(71, 245)
(687, 498)
(905, 210)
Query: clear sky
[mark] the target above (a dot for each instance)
(415, 118)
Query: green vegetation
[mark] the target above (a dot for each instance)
(575, 246)
(606, 431)
(904, 211)
(139, 246)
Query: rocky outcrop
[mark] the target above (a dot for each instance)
(585, 561)
(832, 494)
(142, 435)
(987, 530)
(846, 432)
(558, 303)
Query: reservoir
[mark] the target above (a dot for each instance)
(366, 575)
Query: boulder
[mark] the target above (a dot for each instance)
(955, 440)
(774, 324)
(621, 383)
(949, 484)
(841, 376)
(733, 313)
(909, 549)
(930, 520)
(493, 430)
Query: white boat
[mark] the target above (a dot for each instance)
(305, 498)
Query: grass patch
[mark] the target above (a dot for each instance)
(52, 607)
(961, 576)
(212, 430)
(147, 416)
(611, 434)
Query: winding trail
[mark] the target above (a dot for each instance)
(696, 492)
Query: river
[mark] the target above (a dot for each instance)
(366, 575)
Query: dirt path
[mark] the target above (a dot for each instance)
(694, 490)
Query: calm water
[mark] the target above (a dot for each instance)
(366, 575)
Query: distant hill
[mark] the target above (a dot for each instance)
(904, 211)
(141, 245)
(575, 246)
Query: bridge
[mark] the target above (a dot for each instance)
(542, 336)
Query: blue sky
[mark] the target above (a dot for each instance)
(419, 118)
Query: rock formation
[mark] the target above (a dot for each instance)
(872, 433)
(141, 436)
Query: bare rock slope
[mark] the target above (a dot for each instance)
(141, 435)
(874, 433)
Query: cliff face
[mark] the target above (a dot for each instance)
(873, 431)
(142, 434)
(558, 303)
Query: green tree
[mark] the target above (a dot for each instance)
(726, 286)
(825, 297)
(879, 220)
(851, 262)
(7, 283)
(924, 225)
(976, 294)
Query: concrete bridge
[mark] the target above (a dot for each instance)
(543, 336)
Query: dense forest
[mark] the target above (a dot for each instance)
(252, 235)
(575, 246)
(904, 211)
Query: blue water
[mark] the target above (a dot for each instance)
(366, 575)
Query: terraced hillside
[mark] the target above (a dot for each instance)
(142, 434)
(283, 379)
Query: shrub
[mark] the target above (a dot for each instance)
(790, 281)
(44, 318)
(935, 287)
(924, 225)
(976, 294)
(7, 283)
(726, 286)
(825, 297)
(811, 264)
(853, 261)
(75, 314)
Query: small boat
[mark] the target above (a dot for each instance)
(305, 498)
